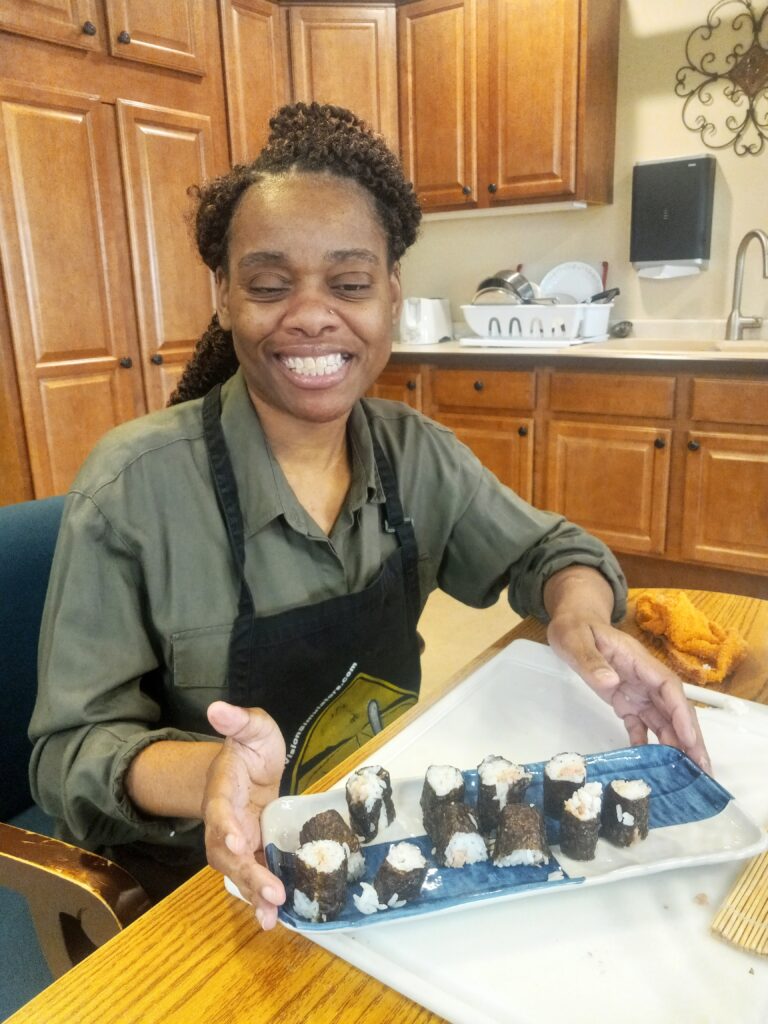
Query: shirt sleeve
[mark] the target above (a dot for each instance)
(500, 541)
(92, 716)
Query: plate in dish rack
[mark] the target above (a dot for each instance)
(578, 279)
(693, 821)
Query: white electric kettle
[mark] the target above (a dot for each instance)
(425, 321)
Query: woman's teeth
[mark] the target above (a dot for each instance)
(309, 366)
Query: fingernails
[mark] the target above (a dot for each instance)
(232, 843)
(260, 916)
(606, 675)
(270, 895)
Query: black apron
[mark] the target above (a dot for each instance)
(331, 674)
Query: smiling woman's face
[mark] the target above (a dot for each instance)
(308, 294)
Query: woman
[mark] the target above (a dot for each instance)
(252, 562)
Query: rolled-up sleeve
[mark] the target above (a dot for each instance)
(92, 715)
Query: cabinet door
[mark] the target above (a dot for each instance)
(72, 22)
(347, 56)
(725, 508)
(533, 68)
(505, 446)
(400, 384)
(163, 153)
(168, 35)
(254, 38)
(612, 480)
(67, 276)
(438, 100)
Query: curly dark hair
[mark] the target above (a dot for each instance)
(314, 138)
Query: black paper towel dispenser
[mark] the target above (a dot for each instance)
(672, 216)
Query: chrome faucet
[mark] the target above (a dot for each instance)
(734, 330)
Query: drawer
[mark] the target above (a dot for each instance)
(730, 401)
(484, 389)
(612, 394)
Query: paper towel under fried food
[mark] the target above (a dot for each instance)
(699, 649)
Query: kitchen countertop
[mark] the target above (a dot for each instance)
(646, 353)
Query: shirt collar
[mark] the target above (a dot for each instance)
(263, 489)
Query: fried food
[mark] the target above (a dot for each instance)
(699, 649)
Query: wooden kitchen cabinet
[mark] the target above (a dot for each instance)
(104, 293)
(347, 55)
(400, 384)
(508, 101)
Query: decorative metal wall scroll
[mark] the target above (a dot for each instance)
(725, 81)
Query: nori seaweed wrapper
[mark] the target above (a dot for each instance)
(366, 822)
(431, 803)
(329, 825)
(327, 888)
(450, 819)
(557, 791)
(615, 807)
(489, 807)
(521, 827)
(391, 881)
(578, 836)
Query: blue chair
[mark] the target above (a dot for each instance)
(57, 903)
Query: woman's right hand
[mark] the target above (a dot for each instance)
(242, 779)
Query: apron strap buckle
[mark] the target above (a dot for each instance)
(394, 529)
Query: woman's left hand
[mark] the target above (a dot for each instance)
(642, 691)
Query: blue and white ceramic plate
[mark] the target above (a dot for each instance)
(693, 820)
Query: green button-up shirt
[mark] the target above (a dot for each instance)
(143, 590)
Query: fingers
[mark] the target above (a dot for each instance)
(255, 882)
(246, 725)
(575, 643)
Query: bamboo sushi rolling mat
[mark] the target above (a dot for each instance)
(743, 917)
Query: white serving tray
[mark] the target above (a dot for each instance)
(636, 952)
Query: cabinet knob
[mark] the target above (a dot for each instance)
(126, 362)
(660, 443)
(478, 385)
(411, 385)
(156, 359)
(693, 446)
(492, 187)
(89, 29)
(124, 37)
(467, 190)
(522, 431)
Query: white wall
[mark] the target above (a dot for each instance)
(451, 256)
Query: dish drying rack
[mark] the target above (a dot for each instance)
(553, 326)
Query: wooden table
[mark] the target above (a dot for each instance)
(198, 956)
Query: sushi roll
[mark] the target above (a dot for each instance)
(401, 875)
(330, 825)
(320, 880)
(563, 775)
(369, 799)
(456, 838)
(500, 782)
(625, 811)
(580, 822)
(443, 784)
(520, 838)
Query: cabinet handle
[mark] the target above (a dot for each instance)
(492, 187)
(660, 443)
(411, 385)
(126, 362)
(522, 431)
(478, 385)
(693, 446)
(124, 37)
(89, 29)
(467, 190)
(156, 359)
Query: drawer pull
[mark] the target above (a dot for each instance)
(126, 362)
(693, 446)
(492, 188)
(89, 29)
(411, 385)
(466, 190)
(660, 443)
(478, 385)
(156, 359)
(124, 37)
(522, 431)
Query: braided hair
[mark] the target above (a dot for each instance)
(312, 138)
